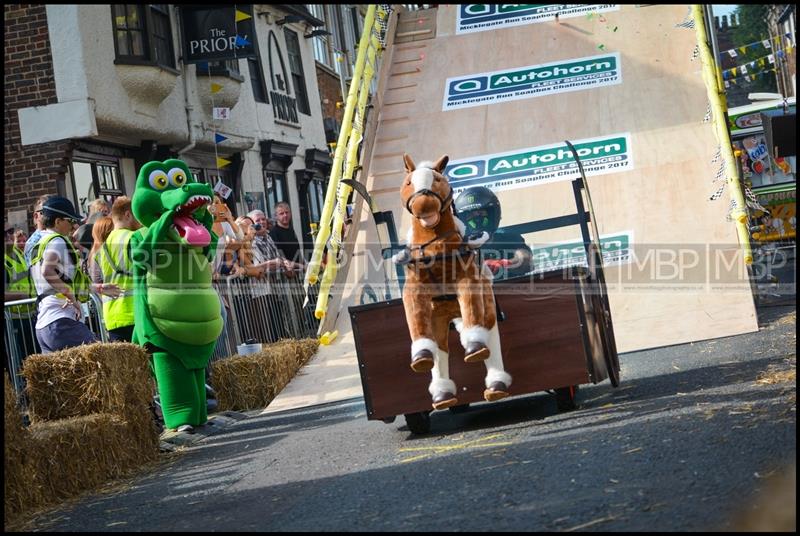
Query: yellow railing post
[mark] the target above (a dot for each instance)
(717, 101)
(336, 170)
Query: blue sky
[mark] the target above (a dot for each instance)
(724, 9)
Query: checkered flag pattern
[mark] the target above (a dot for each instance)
(733, 206)
(716, 195)
(695, 52)
(688, 21)
(707, 117)
(752, 200)
(720, 173)
(717, 155)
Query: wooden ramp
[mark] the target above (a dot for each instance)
(622, 85)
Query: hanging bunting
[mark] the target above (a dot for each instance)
(219, 138)
(241, 41)
(732, 53)
(221, 162)
(240, 16)
(215, 88)
(765, 43)
(771, 58)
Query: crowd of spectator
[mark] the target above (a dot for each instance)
(69, 256)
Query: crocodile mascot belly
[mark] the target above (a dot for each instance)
(176, 309)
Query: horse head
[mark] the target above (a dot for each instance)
(426, 193)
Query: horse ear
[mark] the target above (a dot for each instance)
(440, 164)
(410, 166)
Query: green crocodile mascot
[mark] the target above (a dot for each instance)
(176, 310)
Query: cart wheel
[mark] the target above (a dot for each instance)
(389, 420)
(603, 310)
(567, 398)
(463, 408)
(419, 423)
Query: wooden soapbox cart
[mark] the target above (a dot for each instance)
(556, 335)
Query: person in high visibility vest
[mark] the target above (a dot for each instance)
(114, 260)
(18, 287)
(60, 284)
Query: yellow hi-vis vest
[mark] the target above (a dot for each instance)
(115, 263)
(19, 280)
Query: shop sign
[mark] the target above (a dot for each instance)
(532, 81)
(541, 165)
(213, 33)
(284, 106)
(480, 17)
(616, 249)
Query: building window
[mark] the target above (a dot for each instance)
(275, 188)
(257, 80)
(94, 178)
(229, 68)
(321, 41)
(143, 34)
(296, 68)
(315, 195)
(211, 176)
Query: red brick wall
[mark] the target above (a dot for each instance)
(32, 170)
(330, 89)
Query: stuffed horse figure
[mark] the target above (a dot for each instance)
(444, 284)
(224, 225)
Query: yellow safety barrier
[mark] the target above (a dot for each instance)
(716, 99)
(351, 135)
(323, 235)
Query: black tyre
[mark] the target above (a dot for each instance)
(389, 420)
(567, 398)
(419, 423)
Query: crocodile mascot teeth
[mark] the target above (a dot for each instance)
(176, 309)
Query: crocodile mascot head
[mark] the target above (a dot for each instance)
(167, 192)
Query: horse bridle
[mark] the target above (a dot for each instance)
(425, 191)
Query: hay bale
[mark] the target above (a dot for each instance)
(96, 378)
(253, 381)
(21, 490)
(80, 453)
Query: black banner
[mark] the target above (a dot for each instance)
(216, 33)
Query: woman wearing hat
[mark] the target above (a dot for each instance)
(59, 282)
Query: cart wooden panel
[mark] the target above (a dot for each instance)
(546, 338)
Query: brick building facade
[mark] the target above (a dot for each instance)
(32, 170)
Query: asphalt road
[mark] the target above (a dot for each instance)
(683, 444)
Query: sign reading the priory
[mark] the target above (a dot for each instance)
(217, 33)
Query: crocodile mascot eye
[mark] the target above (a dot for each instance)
(177, 177)
(158, 180)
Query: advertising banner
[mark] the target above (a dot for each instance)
(541, 165)
(481, 17)
(532, 81)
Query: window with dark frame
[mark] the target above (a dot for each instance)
(296, 69)
(257, 80)
(220, 68)
(95, 178)
(275, 189)
(211, 176)
(143, 34)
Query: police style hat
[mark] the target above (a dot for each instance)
(60, 207)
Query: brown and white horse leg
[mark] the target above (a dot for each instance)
(418, 318)
(442, 388)
(474, 333)
(497, 379)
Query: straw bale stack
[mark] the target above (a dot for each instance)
(80, 453)
(252, 381)
(20, 489)
(97, 378)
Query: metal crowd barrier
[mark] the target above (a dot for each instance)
(20, 332)
(264, 310)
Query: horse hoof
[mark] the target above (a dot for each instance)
(422, 361)
(496, 391)
(444, 400)
(476, 351)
